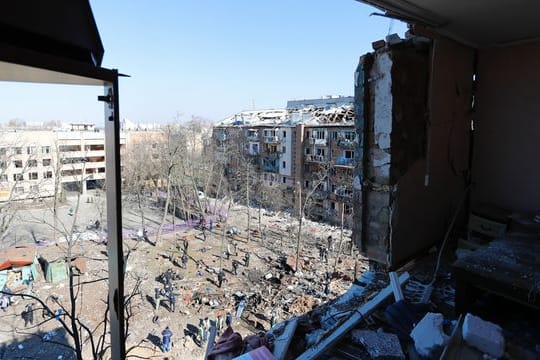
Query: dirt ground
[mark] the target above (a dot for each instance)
(268, 283)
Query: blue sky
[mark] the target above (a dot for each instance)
(212, 58)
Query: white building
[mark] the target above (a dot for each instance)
(35, 162)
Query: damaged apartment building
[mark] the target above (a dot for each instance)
(309, 145)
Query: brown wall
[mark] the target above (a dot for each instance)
(437, 148)
(506, 169)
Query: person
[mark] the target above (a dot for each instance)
(240, 308)
(235, 267)
(167, 276)
(57, 314)
(97, 224)
(202, 332)
(228, 319)
(184, 260)
(228, 252)
(264, 234)
(5, 302)
(330, 243)
(273, 318)
(220, 277)
(28, 315)
(219, 324)
(158, 297)
(167, 334)
(234, 247)
(211, 224)
(172, 301)
(246, 259)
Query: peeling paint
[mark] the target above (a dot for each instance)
(382, 68)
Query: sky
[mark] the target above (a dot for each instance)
(212, 58)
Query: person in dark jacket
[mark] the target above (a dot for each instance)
(166, 342)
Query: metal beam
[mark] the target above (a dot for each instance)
(114, 220)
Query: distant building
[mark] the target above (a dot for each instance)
(310, 143)
(33, 163)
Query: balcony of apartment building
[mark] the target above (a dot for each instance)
(272, 139)
(270, 164)
(347, 140)
(251, 135)
(252, 149)
(346, 160)
(317, 141)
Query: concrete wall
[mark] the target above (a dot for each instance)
(507, 128)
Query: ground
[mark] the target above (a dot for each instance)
(268, 282)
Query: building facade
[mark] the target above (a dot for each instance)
(36, 163)
(310, 146)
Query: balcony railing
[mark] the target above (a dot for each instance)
(316, 158)
(347, 143)
(252, 137)
(320, 142)
(271, 139)
(343, 161)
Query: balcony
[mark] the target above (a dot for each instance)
(347, 143)
(252, 136)
(343, 161)
(316, 158)
(270, 164)
(221, 137)
(271, 139)
(344, 193)
(319, 142)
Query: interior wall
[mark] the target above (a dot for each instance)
(429, 188)
(507, 128)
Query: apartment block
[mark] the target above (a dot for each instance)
(310, 145)
(33, 163)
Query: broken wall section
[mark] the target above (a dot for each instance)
(414, 154)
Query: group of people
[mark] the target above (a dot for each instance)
(203, 330)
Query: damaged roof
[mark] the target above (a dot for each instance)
(16, 256)
(479, 23)
(336, 110)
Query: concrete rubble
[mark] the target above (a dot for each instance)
(428, 335)
(483, 335)
(379, 345)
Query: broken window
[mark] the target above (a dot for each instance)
(284, 164)
(3, 178)
(45, 149)
(33, 176)
(18, 177)
(18, 164)
(348, 154)
(31, 150)
(47, 174)
(46, 162)
(32, 163)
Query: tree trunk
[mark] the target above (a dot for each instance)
(341, 236)
(167, 200)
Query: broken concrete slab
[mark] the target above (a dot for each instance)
(428, 335)
(361, 313)
(282, 342)
(379, 345)
(483, 335)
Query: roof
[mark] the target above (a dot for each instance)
(16, 256)
(479, 23)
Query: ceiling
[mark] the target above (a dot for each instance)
(479, 23)
(62, 28)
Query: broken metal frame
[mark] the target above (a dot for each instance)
(24, 65)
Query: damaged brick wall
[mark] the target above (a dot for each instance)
(401, 213)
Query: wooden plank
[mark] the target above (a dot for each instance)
(317, 350)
